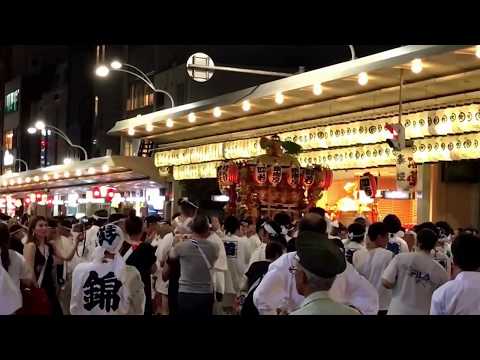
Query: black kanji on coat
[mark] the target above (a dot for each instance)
(101, 291)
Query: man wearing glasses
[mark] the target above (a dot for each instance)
(317, 263)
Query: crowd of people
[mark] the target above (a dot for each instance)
(201, 265)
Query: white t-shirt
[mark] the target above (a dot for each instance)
(460, 296)
(254, 242)
(258, 254)
(278, 289)
(416, 276)
(372, 264)
(350, 248)
(160, 285)
(238, 256)
(91, 240)
(17, 268)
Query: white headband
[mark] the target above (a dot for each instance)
(269, 229)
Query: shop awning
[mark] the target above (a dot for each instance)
(104, 170)
(447, 70)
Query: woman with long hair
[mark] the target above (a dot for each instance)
(12, 273)
(39, 253)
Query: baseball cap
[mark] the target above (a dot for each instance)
(319, 254)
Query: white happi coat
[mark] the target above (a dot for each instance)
(111, 288)
(277, 289)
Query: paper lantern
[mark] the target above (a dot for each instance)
(233, 173)
(293, 176)
(260, 174)
(275, 174)
(308, 177)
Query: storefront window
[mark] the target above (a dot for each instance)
(8, 140)
(140, 96)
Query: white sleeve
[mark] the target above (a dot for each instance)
(437, 308)
(76, 296)
(391, 272)
(360, 293)
(272, 291)
(136, 292)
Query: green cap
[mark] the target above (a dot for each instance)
(319, 254)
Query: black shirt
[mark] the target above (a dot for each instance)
(143, 258)
(256, 270)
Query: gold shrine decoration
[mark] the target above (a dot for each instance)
(196, 171)
(449, 121)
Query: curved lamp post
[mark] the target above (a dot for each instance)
(40, 125)
(103, 71)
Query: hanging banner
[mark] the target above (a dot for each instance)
(406, 170)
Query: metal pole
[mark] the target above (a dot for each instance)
(22, 162)
(239, 70)
(400, 102)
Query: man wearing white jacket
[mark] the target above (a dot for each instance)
(277, 291)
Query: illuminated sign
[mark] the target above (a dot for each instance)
(7, 158)
(11, 102)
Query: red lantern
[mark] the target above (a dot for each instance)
(50, 201)
(368, 183)
(38, 196)
(275, 175)
(96, 192)
(328, 178)
(110, 195)
(293, 176)
(260, 174)
(233, 173)
(27, 201)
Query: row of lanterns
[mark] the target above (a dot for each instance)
(317, 176)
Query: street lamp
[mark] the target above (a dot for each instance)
(103, 71)
(40, 125)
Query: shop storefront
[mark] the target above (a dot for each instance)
(340, 123)
(114, 183)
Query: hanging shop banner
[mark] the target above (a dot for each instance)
(406, 170)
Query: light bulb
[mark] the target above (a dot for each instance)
(66, 174)
(169, 123)
(217, 112)
(45, 177)
(317, 89)
(131, 131)
(19, 181)
(116, 65)
(67, 161)
(27, 180)
(477, 51)
(78, 172)
(149, 126)
(279, 98)
(12, 182)
(40, 125)
(56, 176)
(246, 106)
(192, 118)
(31, 130)
(91, 171)
(417, 66)
(102, 71)
(36, 179)
(363, 78)
(105, 168)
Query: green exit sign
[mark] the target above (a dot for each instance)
(11, 102)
